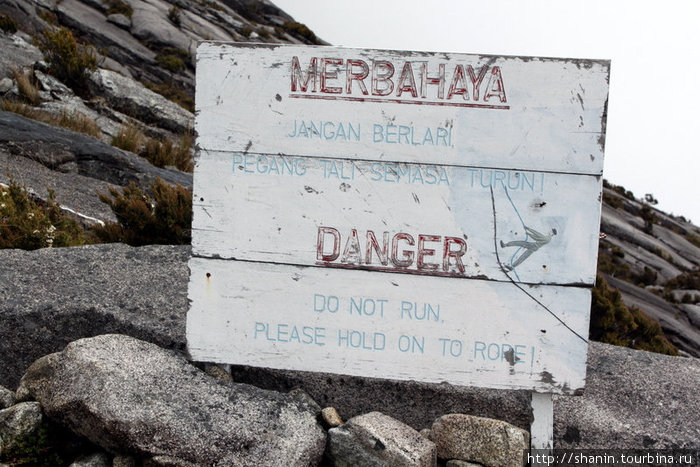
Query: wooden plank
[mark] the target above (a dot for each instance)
(522, 113)
(405, 215)
(301, 210)
(542, 428)
(388, 325)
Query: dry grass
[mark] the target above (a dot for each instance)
(74, 121)
(130, 138)
(160, 153)
(161, 215)
(165, 153)
(27, 88)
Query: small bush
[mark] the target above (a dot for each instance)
(161, 216)
(130, 138)
(614, 323)
(8, 24)
(301, 31)
(611, 261)
(119, 7)
(246, 31)
(173, 59)
(163, 153)
(174, 92)
(171, 63)
(694, 239)
(26, 86)
(29, 225)
(612, 201)
(213, 5)
(263, 33)
(76, 121)
(68, 61)
(648, 217)
(648, 277)
(174, 15)
(48, 16)
(685, 281)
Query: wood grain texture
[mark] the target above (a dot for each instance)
(405, 215)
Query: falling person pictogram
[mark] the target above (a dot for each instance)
(538, 241)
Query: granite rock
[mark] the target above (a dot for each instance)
(490, 442)
(375, 439)
(127, 395)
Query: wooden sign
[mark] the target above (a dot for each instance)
(404, 215)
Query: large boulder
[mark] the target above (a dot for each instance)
(17, 53)
(127, 395)
(375, 439)
(67, 151)
(492, 443)
(134, 99)
(51, 297)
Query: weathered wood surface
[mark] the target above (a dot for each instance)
(271, 208)
(552, 118)
(473, 333)
(437, 224)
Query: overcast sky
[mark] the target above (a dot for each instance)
(653, 133)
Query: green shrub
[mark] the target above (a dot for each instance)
(694, 239)
(161, 216)
(614, 323)
(649, 218)
(174, 15)
(8, 24)
(647, 277)
(263, 33)
(246, 31)
(612, 201)
(171, 63)
(162, 153)
(301, 31)
(174, 92)
(68, 61)
(685, 281)
(120, 7)
(29, 225)
(47, 15)
(173, 59)
(611, 261)
(130, 138)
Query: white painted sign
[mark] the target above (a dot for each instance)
(404, 215)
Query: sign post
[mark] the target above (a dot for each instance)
(404, 215)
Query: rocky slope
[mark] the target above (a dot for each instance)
(653, 259)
